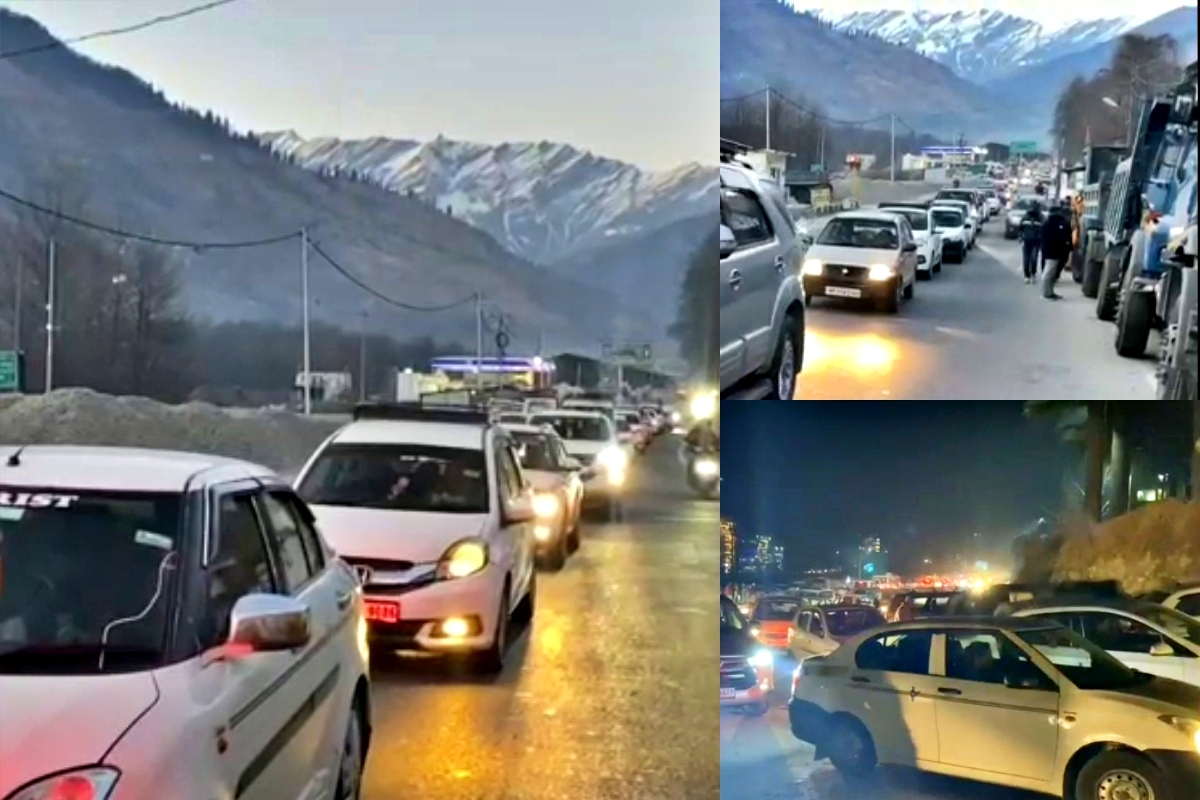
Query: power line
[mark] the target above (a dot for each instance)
(380, 295)
(137, 26)
(141, 237)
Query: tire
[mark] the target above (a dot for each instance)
(908, 290)
(1134, 321)
(789, 355)
(937, 267)
(891, 304)
(1107, 296)
(352, 757)
(756, 710)
(491, 660)
(851, 748)
(1121, 768)
(556, 558)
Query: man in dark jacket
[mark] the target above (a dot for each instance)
(1031, 240)
(1056, 248)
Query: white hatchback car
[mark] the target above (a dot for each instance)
(590, 437)
(431, 508)
(1023, 703)
(1145, 636)
(172, 626)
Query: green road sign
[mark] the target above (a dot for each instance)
(10, 371)
(1022, 148)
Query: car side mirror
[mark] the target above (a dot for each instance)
(264, 623)
(1161, 649)
(910, 247)
(518, 510)
(572, 465)
(806, 239)
(728, 241)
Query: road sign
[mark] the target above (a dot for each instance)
(1022, 148)
(10, 371)
(627, 353)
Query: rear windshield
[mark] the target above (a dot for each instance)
(915, 216)
(75, 564)
(537, 451)
(587, 429)
(947, 219)
(398, 477)
(775, 610)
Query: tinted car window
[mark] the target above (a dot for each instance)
(537, 451)
(918, 219)
(730, 616)
(851, 621)
(1118, 633)
(880, 234)
(744, 215)
(775, 610)
(1190, 605)
(586, 429)
(947, 219)
(239, 565)
(986, 657)
(398, 477)
(294, 561)
(896, 652)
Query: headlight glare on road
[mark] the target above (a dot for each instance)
(463, 558)
(813, 266)
(762, 659)
(545, 505)
(93, 783)
(880, 272)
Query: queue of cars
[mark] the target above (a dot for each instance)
(190, 626)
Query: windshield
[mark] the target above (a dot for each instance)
(586, 429)
(918, 218)
(851, 621)
(71, 564)
(1174, 622)
(947, 219)
(965, 196)
(776, 609)
(1083, 663)
(537, 451)
(1023, 204)
(398, 477)
(878, 234)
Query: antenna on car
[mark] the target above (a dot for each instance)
(14, 460)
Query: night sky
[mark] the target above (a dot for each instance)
(924, 476)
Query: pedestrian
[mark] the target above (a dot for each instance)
(1031, 240)
(1056, 248)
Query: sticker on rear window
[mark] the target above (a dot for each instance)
(40, 500)
(153, 540)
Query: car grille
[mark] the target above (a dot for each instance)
(736, 673)
(845, 273)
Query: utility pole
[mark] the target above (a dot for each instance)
(307, 338)
(478, 340)
(893, 147)
(362, 359)
(823, 147)
(52, 274)
(768, 117)
(20, 273)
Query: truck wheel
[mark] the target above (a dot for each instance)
(1107, 293)
(1134, 322)
(789, 356)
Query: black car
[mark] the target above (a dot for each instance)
(747, 668)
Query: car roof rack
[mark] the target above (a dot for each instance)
(420, 412)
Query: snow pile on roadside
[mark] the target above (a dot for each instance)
(278, 439)
(1149, 549)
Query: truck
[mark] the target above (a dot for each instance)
(1177, 353)
(1100, 162)
(1146, 296)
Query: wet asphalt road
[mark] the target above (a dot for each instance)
(976, 331)
(611, 694)
(761, 760)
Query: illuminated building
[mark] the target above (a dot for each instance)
(728, 549)
(761, 560)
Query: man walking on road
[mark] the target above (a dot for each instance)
(1031, 240)
(1056, 248)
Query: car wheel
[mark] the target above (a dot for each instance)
(491, 660)
(908, 290)
(851, 748)
(1120, 775)
(938, 266)
(891, 303)
(756, 710)
(556, 557)
(786, 364)
(350, 764)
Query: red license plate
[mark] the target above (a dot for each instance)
(382, 611)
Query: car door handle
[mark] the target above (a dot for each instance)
(947, 690)
(343, 600)
(779, 262)
(857, 679)
(735, 278)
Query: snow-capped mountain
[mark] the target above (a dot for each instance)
(542, 200)
(980, 45)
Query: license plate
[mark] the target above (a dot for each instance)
(728, 694)
(382, 611)
(838, 291)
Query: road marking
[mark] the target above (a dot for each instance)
(961, 333)
(729, 727)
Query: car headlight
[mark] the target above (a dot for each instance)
(613, 459)
(1188, 727)
(90, 783)
(762, 659)
(704, 405)
(545, 505)
(813, 266)
(707, 467)
(462, 559)
(880, 272)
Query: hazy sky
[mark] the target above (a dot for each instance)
(1040, 10)
(633, 79)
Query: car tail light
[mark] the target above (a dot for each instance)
(89, 783)
(796, 678)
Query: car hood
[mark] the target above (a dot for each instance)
(543, 481)
(53, 722)
(417, 536)
(1168, 696)
(851, 256)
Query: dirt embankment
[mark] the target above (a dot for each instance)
(277, 439)
(1152, 548)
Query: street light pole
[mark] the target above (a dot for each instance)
(307, 338)
(52, 273)
(478, 340)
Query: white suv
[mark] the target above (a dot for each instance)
(430, 507)
(172, 626)
(591, 439)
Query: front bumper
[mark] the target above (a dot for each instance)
(1181, 768)
(953, 248)
(422, 610)
(816, 286)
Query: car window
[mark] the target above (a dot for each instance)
(293, 560)
(585, 429)
(878, 234)
(508, 473)
(989, 657)
(801, 622)
(1174, 622)
(817, 626)
(744, 215)
(1117, 633)
(314, 547)
(1190, 604)
(775, 609)
(906, 652)
(537, 451)
(240, 564)
(852, 621)
(398, 477)
(730, 616)
(944, 218)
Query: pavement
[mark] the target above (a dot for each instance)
(610, 695)
(761, 760)
(975, 331)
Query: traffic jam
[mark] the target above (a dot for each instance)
(189, 626)
(958, 675)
